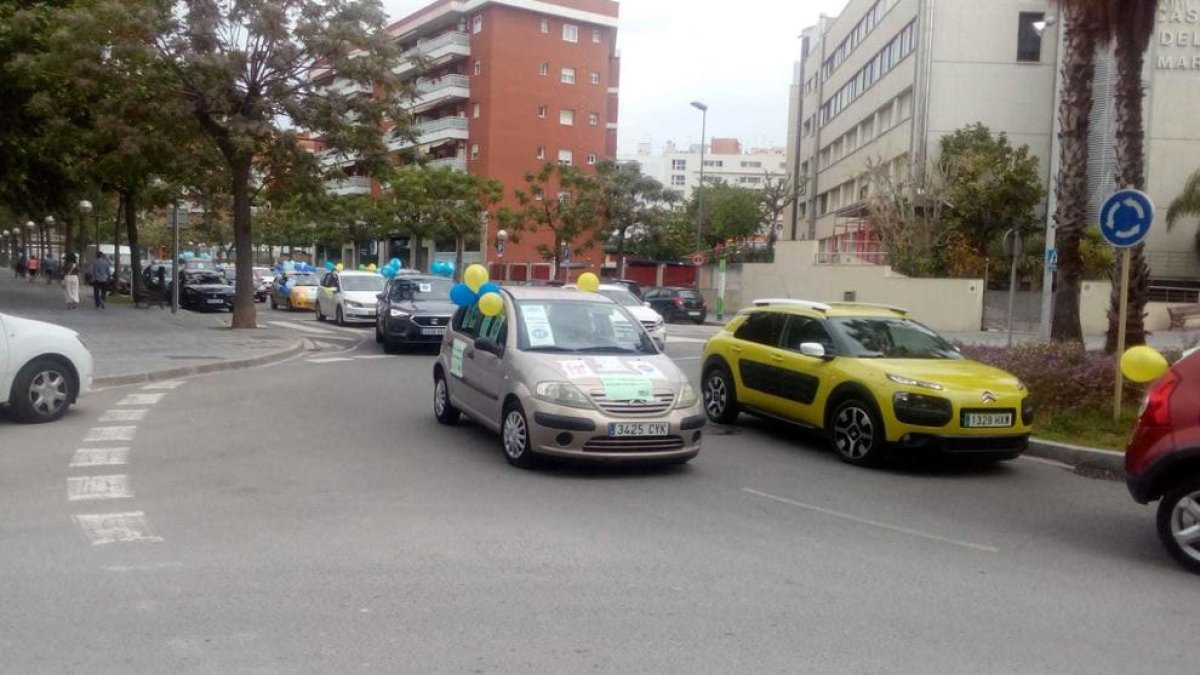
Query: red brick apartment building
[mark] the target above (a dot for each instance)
(510, 85)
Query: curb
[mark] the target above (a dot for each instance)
(185, 371)
(1076, 455)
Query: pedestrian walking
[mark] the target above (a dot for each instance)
(70, 282)
(32, 267)
(48, 267)
(20, 267)
(101, 275)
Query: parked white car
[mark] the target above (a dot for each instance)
(647, 316)
(349, 296)
(44, 368)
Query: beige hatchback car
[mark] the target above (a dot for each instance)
(566, 373)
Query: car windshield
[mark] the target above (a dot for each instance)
(623, 298)
(372, 283)
(305, 280)
(205, 277)
(421, 289)
(891, 338)
(574, 326)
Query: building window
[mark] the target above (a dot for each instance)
(570, 32)
(478, 67)
(758, 165)
(474, 151)
(476, 24)
(545, 25)
(475, 110)
(567, 76)
(593, 118)
(678, 180)
(596, 35)
(541, 152)
(565, 157)
(566, 117)
(564, 197)
(591, 159)
(1029, 42)
(538, 194)
(679, 165)
(542, 111)
(714, 162)
(544, 69)
(595, 78)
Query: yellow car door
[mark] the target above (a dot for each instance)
(803, 380)
(754, 354)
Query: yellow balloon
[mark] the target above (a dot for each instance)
(475, 276)
(340, 267)
(588, 282)
(1143, 364)
(491, 304)
(371, 267)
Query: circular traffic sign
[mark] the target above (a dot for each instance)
(1126, 217)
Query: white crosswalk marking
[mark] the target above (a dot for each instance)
(110, 434)
(99, 457)
(117, 415)
(110, 528)
(141, 399)
(165, 384)
(332, 359)
(301, 327)
(98, 487)
(371, 357)
(685, 340)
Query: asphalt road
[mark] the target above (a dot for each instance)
(311, 516)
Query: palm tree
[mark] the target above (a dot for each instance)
(1186, 205)
(1131, 25)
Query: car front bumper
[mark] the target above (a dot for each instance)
(406, 330)
(580, 434)
(358, 313)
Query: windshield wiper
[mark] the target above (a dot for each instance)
(551, 348)
(614, 349)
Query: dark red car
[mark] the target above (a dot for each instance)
(1162, 460)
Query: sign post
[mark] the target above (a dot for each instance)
(1125, 220)
(721, 290)
(1012, 249)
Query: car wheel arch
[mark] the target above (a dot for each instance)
(1178, 466)
(846, 391)
(715, 362)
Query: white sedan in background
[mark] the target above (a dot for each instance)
(349, 296)
(44, 368)
(648, 317)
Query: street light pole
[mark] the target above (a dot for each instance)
(1048, 263)
(501, 237)
(700, 188)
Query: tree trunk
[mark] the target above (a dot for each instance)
(621, 253)
(244, 309)
(135, 256)
(418, 262)
(460, 247)
(1074, 110)
(1130, 54)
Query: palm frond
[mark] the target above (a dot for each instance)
(1187, 204)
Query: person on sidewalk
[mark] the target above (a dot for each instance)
(32, 267)
(48, 267)
(19, 268)
(70, 282)
(101, 275)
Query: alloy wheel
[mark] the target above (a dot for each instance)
(439, 397)
(516, 434)
(48, 392)
(716, 396)
(1185, 525)
(854, 432)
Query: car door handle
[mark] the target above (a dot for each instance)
(777, 358)
(736, 350)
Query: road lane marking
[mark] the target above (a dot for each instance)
(141, 399)
(371, 357)
(109, 434)
(145, 568)
(82, 488)
(873, 523)
(99, 457)
(165, 384)
(695, 341)
(332, 359)
(136, 415)
(110, 528)
(301, 327)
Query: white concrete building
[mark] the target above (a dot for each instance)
(886, 79)
(679, 169)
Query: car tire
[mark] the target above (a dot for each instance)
(514, 437)
(720, 395)
(341, 318)
(320, 317)
(856, 432)
(42, 391)
(1179, 519)
(378, 334)
(274, 305)
(443, 409)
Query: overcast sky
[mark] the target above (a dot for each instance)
(735, 56)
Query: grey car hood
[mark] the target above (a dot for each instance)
(437, 307)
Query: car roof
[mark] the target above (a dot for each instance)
(356, 273)
(826, 309)
(547, 293)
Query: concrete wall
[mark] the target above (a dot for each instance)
(951, 305)
(1093, 310)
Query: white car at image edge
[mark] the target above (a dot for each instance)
(44, 368)
(647, 316)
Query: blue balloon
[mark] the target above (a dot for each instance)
(489, 287)
(387, 272)
(462, 295)
(395, 262)
(329, 266)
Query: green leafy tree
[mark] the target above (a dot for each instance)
(561, 200)
(629, 201)
(665, 235)
(731, 213)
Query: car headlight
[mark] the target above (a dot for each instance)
(658, 324)
(687, 396)
(562, 393)
(910, 382)
(398, 314)
(354, 305)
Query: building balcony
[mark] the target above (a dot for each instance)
(437, 51)
(436, 131)
(328, 157)
(441, 90)
(455, 163)
(344, 87)
(351, 185)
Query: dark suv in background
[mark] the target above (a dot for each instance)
(677, 304)
(413, 309)
(1162, 459)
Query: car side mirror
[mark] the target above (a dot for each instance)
(379, 296)
(814, 349)
(647, 303)
(490, 346)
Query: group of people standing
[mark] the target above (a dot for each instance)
(101, 272)
(32, 266)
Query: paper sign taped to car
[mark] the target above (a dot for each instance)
(456, 358)
(537, 324)
(627, 388)
(576, 369)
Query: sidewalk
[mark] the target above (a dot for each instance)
(128, 342)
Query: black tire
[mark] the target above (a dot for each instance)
(720, 395)
(514, 437)
(443, 409)
(274, 305)
(1179, 513)
(341, 318)
(378, 334)
(320, 317)
(856, 432)
(42, 391)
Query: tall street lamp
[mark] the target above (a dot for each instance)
(47, 235)
(700, 188)
(30, 226)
